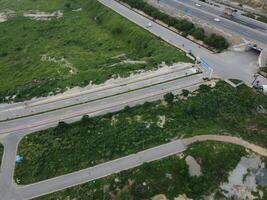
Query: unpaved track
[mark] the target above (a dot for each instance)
(229, 139)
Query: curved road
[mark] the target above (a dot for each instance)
(10, 191)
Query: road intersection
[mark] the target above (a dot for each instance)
(225, 65)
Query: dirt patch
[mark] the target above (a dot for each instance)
(161, 122)
(159, 197)
(194, 167)
(3, 17)
(182, 197)
(130, 62)
(114, 120)
(62, 62)
(43, 16)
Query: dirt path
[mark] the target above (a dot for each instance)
(229, 139)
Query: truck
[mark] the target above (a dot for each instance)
(229, 11)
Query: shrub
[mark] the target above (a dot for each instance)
(199, 33)
(216, 41)
(169, 97)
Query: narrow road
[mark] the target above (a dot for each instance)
(118, 165)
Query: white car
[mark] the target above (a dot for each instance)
(217, 20)
(149, 25)
(198, 5)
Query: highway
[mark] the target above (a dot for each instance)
(248, 28)
(226, 65)
(97, 107)
(219, 11)
(115, 87)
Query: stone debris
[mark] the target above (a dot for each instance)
(242, 180)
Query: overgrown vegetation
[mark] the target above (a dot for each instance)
(256, 17)
(263, 69)
(91, 44)
(168, 176)
(70, 147)
(184, 26)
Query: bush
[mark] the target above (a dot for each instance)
(216, 41)
(169, 97)
(117, 30)
(264, 69)
(199, 33)
(185, 93)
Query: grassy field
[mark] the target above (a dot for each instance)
(1, 153)
(168, 176)
(220, 110)
(40, 57)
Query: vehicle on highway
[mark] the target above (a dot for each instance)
(149, 25)
(217, 19)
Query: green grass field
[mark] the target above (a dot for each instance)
(168, 176)
(220, 110)
(40, 57)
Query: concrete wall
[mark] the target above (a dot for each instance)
(263, 58)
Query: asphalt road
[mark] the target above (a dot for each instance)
(101, 170)
(148, 79)
(252, 30)
(219, 11)
(10, 191)
(227, 65)
(238, 65)
(102, 105)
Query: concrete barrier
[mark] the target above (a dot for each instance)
(263, 58)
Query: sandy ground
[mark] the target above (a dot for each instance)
(62, 62)
(42, 16)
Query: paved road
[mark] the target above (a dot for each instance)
(100, 106)
(249, 29)
(11, 191)
(226, 65)
(101, 170)
(219, 11)
(239, 65)
(147, 79)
